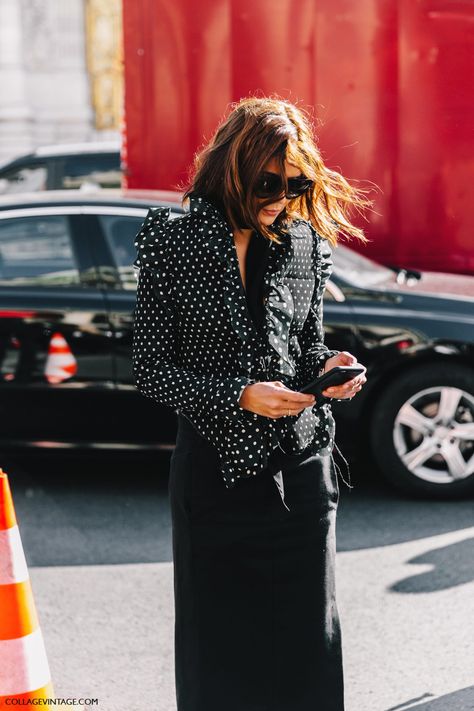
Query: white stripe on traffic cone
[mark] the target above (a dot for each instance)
(24, 669)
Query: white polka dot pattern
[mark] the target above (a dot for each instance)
(195, 347)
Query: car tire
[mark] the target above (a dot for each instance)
(413, 431)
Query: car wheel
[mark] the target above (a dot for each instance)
(422, 431)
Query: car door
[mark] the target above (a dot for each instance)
(55, 338)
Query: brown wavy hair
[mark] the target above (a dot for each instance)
(225, 170)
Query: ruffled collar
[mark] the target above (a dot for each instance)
(278, 300)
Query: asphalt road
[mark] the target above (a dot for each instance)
(97, 538)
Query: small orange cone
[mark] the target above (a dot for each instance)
(60, 362)
(24, 669)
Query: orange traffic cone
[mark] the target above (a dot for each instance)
(60, 362)
(24, 669)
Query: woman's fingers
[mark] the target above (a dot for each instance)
(347, 358)
(349, 389)
(284, 395)
(286, 402)
(274, 399)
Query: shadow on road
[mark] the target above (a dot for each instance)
(461, 700)
(450, 565)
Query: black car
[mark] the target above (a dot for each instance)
(67, 293)
(63, 166)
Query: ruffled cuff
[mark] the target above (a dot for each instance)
(230, 394)
(321, 361)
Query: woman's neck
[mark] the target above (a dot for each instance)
(242, 236)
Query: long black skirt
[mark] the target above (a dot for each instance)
(256, 621)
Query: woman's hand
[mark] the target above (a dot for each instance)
(274, 399)
(351, 387)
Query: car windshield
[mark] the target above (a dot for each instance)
(352, 267)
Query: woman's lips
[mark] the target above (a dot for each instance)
(272, 213)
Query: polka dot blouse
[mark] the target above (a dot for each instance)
(196, 347)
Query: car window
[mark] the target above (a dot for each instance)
(120, 232)
(99, 170)
(37, 251)
(24, 180)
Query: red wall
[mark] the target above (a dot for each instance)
(390, 82)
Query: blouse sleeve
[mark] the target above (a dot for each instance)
(314, 352)
(155, 336)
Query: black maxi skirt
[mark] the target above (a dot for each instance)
(256, 621)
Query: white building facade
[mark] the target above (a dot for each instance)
(60, 73)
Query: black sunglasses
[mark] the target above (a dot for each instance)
(271, 185)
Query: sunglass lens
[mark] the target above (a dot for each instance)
(268, 184)
(298, 186)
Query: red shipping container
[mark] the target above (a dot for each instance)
(390, 84)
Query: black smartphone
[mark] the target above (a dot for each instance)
(336, 376)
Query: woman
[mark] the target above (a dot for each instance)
(228, 329)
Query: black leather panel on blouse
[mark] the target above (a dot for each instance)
(255, 266)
